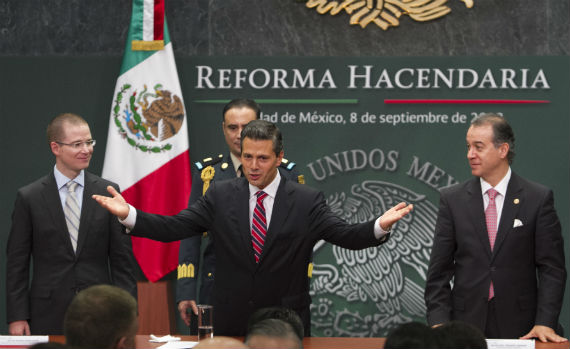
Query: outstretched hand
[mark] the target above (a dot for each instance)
(394, 214)
(115, 204)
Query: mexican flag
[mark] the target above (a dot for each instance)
(147, 145)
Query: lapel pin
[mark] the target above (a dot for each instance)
(516, 201)
(224, 165)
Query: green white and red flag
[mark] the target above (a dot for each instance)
(147, 144)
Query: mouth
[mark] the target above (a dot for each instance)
(254, 177)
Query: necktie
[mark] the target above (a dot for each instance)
(258, 225)
(491, 220)
(72, 213)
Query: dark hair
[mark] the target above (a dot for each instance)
(55, 130)
(411, 335)
(281, 313)
(99, 316)
(48, 345)
(459, 334)
(263, 130)
(273, 328)
(502, 131)
(242, 103)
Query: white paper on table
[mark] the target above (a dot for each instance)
(22, 340)
(510, 343)
(178, 345)
(163, 339)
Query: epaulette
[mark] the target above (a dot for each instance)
(200, 165)
(286, 164)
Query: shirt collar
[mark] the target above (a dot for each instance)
(61, 179)
(235, 161)
(271, 189)
(501, 187)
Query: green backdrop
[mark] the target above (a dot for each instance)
(346, 138)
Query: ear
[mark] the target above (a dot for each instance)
(55, 148)
(504, 150)
(280, 158)
(121, 343)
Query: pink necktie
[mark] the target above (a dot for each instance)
(258, 226)
(491, 220)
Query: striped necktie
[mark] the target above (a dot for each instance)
(72, 213)
(491, 221)
(258, 226)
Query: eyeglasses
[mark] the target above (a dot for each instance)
(79, 145)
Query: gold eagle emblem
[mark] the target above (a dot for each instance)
(384, 13)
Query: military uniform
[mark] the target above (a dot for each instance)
(210, 169)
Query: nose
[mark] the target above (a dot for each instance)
(470, 153)
(253, 163)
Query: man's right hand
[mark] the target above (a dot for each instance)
(19, 328)
(115, 204)
(183, 309)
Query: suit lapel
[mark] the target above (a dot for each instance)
(281, 209)
(240, 214)
(50, 195)
(476, 210)
(509, 212)
(87, 209)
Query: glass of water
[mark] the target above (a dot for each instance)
(205, 321)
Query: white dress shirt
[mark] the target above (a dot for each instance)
(61, 181)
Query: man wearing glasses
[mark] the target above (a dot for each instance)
(72, 241)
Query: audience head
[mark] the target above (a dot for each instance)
(288, 315)
(220, 342)
(101, 316)
(48, 345)
(459, 334)
(272, 333)
(411, 335)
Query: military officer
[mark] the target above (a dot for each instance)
(236, 114)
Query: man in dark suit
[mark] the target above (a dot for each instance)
(499, 238)
(235, 115)
(264, 228)
(72, 241)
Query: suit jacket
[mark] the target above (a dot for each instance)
(300, 218)
(526, 265)
(104, 254)
(189, 252)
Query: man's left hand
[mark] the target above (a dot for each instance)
(394, 214)
(544, 334)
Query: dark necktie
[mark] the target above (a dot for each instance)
(491, 220)
(258, 226)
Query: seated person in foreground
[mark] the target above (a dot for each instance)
(273, 333)
(101, 316)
